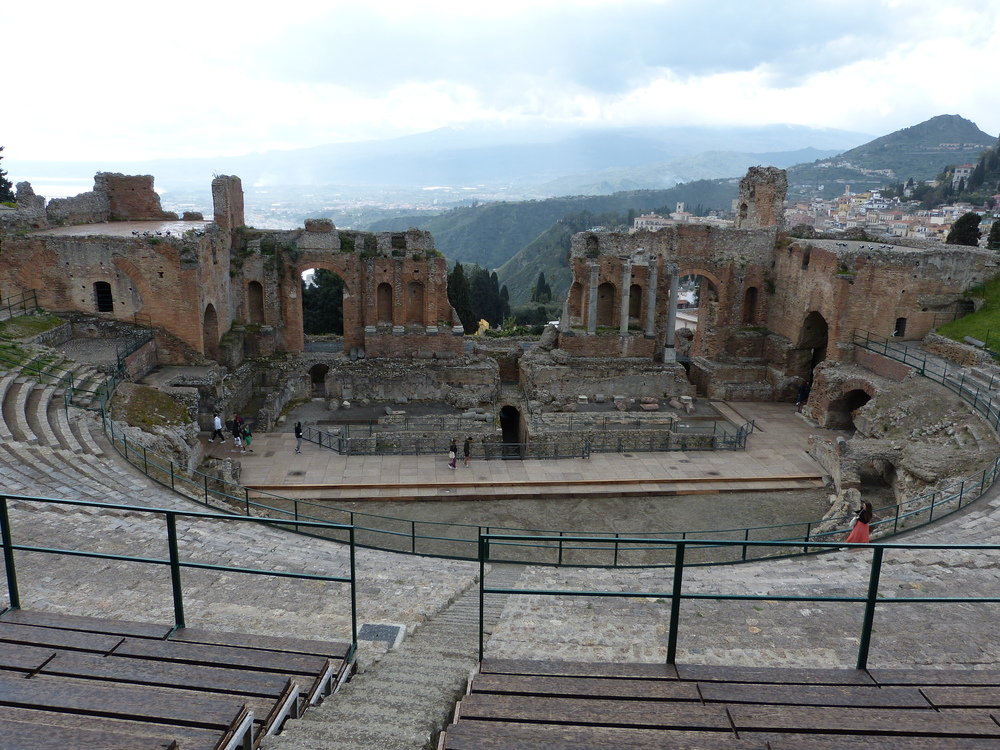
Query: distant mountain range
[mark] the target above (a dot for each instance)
(524, 163)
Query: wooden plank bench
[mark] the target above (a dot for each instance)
(52, 723)
(25, 736)
(67, 640)
(86, 624)
(562, 705)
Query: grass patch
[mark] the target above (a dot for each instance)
(28, 325)
(146, 408)
(984, 323)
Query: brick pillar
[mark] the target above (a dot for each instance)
(626, 291)
(592, 302)
(651, 299)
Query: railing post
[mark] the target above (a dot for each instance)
(560, 548)
(675, 604)
(413, 537)
(246, 498)
(482, 585)
(8, 555)
(175, 570)
(354, 594)
(872, 598)
(616, 550)
(171, 475)
(145, 463)
(206, 488)
(746, 538)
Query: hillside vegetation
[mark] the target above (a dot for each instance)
(919, 152)
(523, 239)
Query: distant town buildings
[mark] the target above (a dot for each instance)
(902, 219)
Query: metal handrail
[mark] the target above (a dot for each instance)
(458, 541)
(21, 303)
(871, 598)
(174, 562)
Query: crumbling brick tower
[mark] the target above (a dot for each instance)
(761, 201)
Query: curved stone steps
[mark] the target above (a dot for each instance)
(15, 410)
(36, 414)
(6, 382)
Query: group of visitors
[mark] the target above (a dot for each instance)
(453, 453)
(242, 438)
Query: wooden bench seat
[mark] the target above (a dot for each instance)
(221, 656)
(120, 701)
(326, 649)
(52, 723)
(67, 640)
(561, 705)
(25, 736)
(121, 679)
(86, 624)
(487, 735)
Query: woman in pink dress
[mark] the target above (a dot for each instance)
(859, 531)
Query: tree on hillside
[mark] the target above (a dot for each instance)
(541, 293)
(965, 230)
(323, 303)
(460, 299)
(6, 188)
(993, 239)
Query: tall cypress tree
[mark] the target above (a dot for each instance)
(460, 299)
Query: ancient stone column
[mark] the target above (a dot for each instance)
(651, 299)
(592, 303)
(670, 354)
(626, 290)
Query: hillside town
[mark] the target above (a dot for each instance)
(899, 218)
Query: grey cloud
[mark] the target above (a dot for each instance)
(604, 50)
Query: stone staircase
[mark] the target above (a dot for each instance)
(407, 698)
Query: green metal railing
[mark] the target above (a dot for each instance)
(24, 302)
(174, 561)
(939, 371)
(460, 541)
(872, 598)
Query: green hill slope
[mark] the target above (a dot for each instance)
(921, 152)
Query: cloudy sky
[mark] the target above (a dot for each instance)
(130, 80)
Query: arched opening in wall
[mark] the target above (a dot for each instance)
(606, 305)
(695, 293)
(750, 307)
(384, 299)
(317, 376)
(415, 303)
(813, 339)
(878, 483)
(210, 332)
(322, 303)
(576, 304)
(840, 414)
(744, 212)
(510, 429)
(635, 305)
(900, 329)
(255, 303)
(103, 298)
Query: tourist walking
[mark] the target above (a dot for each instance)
(298, 437)
(453, 453)
(238, 440)
(217, 428)
(860, 533)
(247, 439)
(467, 451)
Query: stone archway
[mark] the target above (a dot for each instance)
(511, 431)
(840, 413)
(255, 303)
(811, 347)
(317, 376)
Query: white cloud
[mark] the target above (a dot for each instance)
(120, 80)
